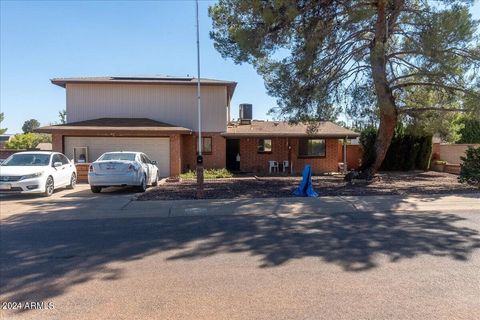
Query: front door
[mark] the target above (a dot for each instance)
(233, 150)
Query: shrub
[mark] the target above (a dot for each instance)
(367, 140)
(470, 168)
(406, 151)
(208, 174)
(470, 133)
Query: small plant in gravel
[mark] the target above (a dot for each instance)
(470, 168)
(208, 174)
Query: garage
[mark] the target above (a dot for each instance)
(156, 148)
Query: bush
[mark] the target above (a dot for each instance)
(208, 174)
(470, 133)
(27, 140)
(406, 151)
(367, 140)
(470, 168)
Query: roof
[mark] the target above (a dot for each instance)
(324, 129)
(5, 137)
(115, 125)
(44, 146)
(167, 80)
(36, 152)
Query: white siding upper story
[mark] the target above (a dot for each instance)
(173, 104)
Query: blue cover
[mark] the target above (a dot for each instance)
(305, 189)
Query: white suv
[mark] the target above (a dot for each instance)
(37, 172)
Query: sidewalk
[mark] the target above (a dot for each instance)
(297, 206)
(124, 206)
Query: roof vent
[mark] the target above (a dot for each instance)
(245, 116)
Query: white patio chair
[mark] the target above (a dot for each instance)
(272, 166)
(286, 164)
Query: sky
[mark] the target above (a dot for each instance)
(40, 40)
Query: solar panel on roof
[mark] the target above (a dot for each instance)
(154, 78)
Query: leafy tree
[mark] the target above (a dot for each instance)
(30, 125)
(62, 115)
(23, 141)
(27, 140)
(2, 117)
(324, 54)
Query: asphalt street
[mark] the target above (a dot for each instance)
(308, 264)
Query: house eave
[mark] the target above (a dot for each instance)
(289, 135)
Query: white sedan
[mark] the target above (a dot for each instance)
(37, 172)
(123, 168)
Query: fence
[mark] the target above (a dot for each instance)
(451, 152)
(5, 153)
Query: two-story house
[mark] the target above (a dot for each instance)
(158, 116)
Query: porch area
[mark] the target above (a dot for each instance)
(283, 155)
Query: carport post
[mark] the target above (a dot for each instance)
(345, 169)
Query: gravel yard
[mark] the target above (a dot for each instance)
(399, 183)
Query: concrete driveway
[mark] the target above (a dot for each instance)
(80, 202)
(107, 257)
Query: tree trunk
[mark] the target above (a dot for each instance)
(385, 99)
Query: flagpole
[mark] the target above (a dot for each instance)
(199, 110)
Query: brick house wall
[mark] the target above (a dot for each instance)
(252, 161)
(354, 155)
(214, 160)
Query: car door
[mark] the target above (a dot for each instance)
(151, 168)
(67, 168)
(58, 173)
(145, 167)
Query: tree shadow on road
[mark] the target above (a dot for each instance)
(41, 260)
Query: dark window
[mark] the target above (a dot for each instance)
(264, 145)
(206, 145)
(64, 159)
(147, 159)
(56, 158)
(117, 156)
(27, 159)
(311, 148)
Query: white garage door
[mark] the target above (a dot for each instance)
(155, 148)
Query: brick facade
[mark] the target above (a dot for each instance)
(213, 160)
(252, 161)
(183, 154)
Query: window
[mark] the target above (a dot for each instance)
(117, 156)
(147, 159)
(56, 158)
(27, 159)
(264, 145)
(311, 148)
(206, 145)
(64, 159)
(80, 154)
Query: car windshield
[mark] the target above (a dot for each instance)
(118, 156)
(27, 159)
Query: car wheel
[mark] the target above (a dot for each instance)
(155, 182)
(73, 181)
(49, 187)
(95, 189)
(143, 185)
